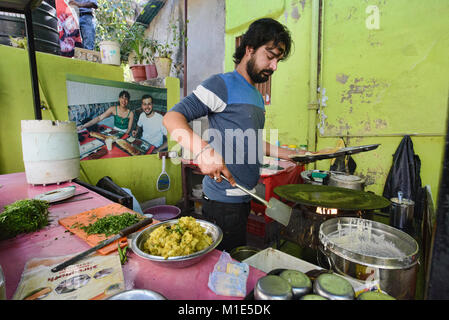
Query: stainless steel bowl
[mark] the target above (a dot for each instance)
(333, 287)
(180, 261)
(272, 287)
(300, 282)
(137, 294)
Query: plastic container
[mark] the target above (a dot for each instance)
(197, 191)
(151, 71)
(45, 28)
(50, 150)
(110, 52)
(163, 212)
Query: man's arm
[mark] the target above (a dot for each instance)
(281, 153)
(209, 162)
(87, 5)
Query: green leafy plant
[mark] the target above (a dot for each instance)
(136, 42)
(166, 49)
(113, 20)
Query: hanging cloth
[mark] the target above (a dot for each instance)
(68, 28)
(405, 176)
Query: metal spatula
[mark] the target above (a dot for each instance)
(276, 209)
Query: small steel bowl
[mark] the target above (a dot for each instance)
(272, 287)
(180, 261)
(137, 294)
(345, 289)
(302, 285)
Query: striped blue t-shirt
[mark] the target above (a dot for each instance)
(236, 114)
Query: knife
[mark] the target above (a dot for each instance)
(121, 234)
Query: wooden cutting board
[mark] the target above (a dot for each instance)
(90, 216)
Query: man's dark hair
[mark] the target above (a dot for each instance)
(124, 93)
(261, 32)
(146, 96)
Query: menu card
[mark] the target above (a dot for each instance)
(96, 277)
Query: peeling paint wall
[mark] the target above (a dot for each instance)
(384, 73)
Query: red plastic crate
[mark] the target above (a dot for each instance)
(256, 225)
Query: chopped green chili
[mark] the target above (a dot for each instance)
(111, 224)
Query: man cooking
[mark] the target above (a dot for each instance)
(87, 25)
(236, 115)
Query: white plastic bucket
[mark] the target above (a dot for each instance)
(110, 52)
(50, 151)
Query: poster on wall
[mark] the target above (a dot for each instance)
(116, 119)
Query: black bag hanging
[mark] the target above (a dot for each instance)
(405, 176)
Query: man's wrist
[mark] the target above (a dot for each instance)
(202, 150)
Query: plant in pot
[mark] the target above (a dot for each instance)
(136, 46)
(163, 60)
(165, 50)
(149, 52)
(112, 23)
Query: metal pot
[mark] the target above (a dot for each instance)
(346, 181)
(394, 262)
(401, 213)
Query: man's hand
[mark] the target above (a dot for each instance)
(134, 133)
(211, 163)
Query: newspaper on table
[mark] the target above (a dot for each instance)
(94, 278)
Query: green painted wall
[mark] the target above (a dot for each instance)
(386, 78)
(136, 173)
(290, 94)
(379, 83)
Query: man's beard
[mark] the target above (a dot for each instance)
(257, 77)
(149, 113)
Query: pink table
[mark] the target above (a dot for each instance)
(175, 284)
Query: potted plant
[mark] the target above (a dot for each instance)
(163, 60)
(135, 46)
(150, 66)
(165, 50)
(112, 21)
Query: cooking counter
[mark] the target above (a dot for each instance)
(54, 240)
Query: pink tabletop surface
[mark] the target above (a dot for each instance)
(175, 284)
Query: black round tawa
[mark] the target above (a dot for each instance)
(331, 197)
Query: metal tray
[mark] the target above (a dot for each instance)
(342, 152)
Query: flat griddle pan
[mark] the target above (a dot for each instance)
(331, 197)
(341, 152)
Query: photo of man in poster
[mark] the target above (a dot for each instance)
(149, 125)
